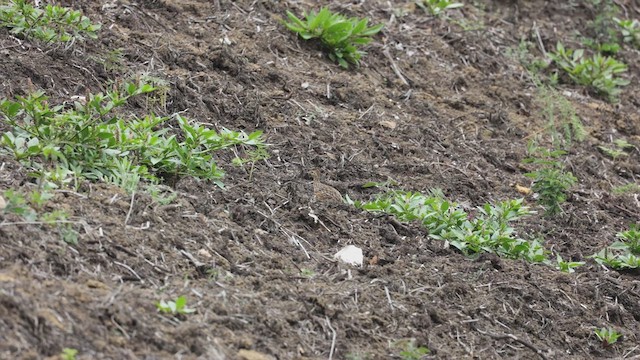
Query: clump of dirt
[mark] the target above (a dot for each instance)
(437, 103)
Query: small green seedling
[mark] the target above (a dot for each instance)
(411, 352)
(438, 7)
(567, 266)
(50, 24)
(339, 35)
(608, 336)
(68, 354)
(598, 72)
(179, 306)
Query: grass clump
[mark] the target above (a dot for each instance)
(487, 229)
(61, 146)
(51, 24)
(339, 35)
(598, 72)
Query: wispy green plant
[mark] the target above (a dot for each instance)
(597, 72)
(438, 7)
(618, 151)
(629, 188)
(50, 24)
(486, 229)
(563, 123)
(90, 141)
(550, 180)
(339, 35)
(24, 207)
(178, 306)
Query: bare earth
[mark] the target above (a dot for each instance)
(432, 106)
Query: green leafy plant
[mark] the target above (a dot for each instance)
(630, 30)
(629, 240)
(598, 72)
(567, 266)
(50, 24)
(438, 7)
(623, 254)
(179, 306)
(607, 336)
(484, 230)
(339, 35)
(90, 141)
(68, 354)
(550, 180)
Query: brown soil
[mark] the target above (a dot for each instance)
(459, 119)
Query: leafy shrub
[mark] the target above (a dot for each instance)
(598, 72)
(50, 24)
(88, 141)
(341, 36)
(487, 230)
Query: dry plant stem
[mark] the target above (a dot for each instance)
(395, 68)
(334, 335)
(516, 339)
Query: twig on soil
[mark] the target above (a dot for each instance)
(293, 237)
(130, 270)
(535, 28)
(516, 339)
(394, 67)
(386, 291)
(126, 335)
(193, 260)
(333, 338)
(126, 220)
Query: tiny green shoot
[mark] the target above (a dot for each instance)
(178, 306)
(607, 336)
